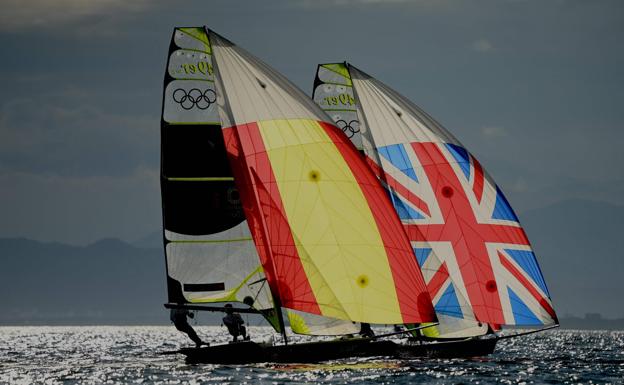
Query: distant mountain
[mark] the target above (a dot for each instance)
(580, 246)
(592, 321)
(151, 240)
(107, 282)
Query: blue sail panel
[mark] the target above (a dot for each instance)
(397, 155)
(502, 208)
(422, 253)
(403, 209)
(461, 157)
(527, 261)
(521, 312)
(448, 303)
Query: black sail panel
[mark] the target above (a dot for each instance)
(210, 255)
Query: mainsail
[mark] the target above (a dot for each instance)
(303, 185)
(475, 257)
(210, 254)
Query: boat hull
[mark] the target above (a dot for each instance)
(471, 347)
(250, 352)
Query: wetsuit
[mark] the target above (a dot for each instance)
(178, 317)
(234, 323)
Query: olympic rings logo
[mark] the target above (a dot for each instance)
(194, 98)
(351, 128)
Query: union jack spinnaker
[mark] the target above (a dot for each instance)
(475, 257)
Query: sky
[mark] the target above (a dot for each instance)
(532, 88)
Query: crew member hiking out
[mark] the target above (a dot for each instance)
(178, 317)
(366, 331)
(234, 323)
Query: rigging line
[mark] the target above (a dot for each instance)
(209, 308)
(528, 332)
(264, 280)
(277, 300)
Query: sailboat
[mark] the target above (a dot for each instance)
(480, 269)
(260, 191)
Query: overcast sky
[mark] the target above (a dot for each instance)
(532, 88)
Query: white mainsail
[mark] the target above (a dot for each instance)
(210, 254)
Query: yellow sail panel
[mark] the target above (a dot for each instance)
(312, 324)
(347, 267)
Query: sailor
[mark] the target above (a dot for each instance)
(366, 331)
(234, 322)
(178, 317)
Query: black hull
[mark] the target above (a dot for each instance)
(472, 347)
(251, 352)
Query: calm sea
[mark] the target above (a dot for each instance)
(119, 355)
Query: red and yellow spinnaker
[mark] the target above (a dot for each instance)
(328, 236)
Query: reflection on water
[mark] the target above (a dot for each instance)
(113, 355)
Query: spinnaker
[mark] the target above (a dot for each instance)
(476, 259)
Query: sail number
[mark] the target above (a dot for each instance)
(202, 67)
(342, 99)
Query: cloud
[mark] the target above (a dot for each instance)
(482, 45)
(493, 132)
(355, 3)
(20, 15)
(53, 136)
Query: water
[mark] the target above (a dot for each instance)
(115, 355)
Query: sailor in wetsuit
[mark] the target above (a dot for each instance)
(234, 323)
(178, 317)
(366, 331)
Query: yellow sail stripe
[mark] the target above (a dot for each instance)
(334, 230)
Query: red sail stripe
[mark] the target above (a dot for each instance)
(414, 300)
(398, 187)
(288, 278)
(528, 285)
(478, 179)
(461, 228)
(438, 279)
